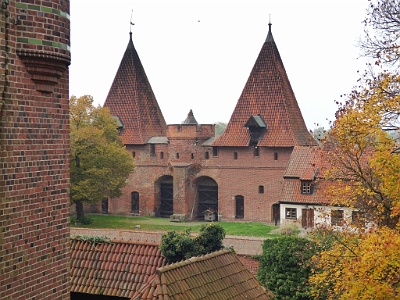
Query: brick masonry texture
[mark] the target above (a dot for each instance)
(34, 150)
(240, 175)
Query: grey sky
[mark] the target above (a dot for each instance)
(198, 54)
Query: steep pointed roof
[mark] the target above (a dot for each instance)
(190, 119)
(267, 93)
(131, 98)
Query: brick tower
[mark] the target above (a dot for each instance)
(186, 171)
(34, 149)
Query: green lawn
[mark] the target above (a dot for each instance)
(163, 224)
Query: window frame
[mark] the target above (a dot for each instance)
(337, 217)
(289, 213)
(306, 187)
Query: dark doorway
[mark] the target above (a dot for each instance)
(276, 215)
(207, 196)
(135, 203)
(104, 206)
(239, 204)
(166, 200)
(307, 218)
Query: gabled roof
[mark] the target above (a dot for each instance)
(304, 163)
(132, 99)
(267, 93)
(218, 275)
(112, 269)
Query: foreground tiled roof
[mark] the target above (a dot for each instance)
(267, 93)
(112, 269)
(131, 98)
(216, 276)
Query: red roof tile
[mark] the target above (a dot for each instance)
(131, 98)
(112, 269)
(304, 163)
(219, 275)
(267, 93)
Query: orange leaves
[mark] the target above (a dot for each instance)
(365, 266)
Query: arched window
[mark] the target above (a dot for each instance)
(135, 203)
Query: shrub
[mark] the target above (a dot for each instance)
(284, 267)
(179, 246)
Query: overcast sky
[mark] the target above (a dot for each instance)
(198, 54)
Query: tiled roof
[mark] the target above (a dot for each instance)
(131, 98)
(267, 93)
(291, 192)
(216, 276)
(112, 269)
(190, 119)
(304, 163)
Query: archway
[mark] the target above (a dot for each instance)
(165, 196)
(207, 196)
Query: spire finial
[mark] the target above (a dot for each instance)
(131, 23)
(269, 23)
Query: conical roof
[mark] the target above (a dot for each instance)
(190, 119)
(267, 94)
(131, 98)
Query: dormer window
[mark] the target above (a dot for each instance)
(256, 127)
(306, 187)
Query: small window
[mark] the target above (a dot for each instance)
(291, 213)
(256, 151)
(133, 154)
(206, 155)
(356, 217)
(306, 187)
(177, 155)
(152, 149)
(135, 203)
(161, 155)
(215, 151)
(276, 156)
(337, 217)
(261, 189)
(192, 156)
(235, 155)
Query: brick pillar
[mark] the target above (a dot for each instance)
(34, 149)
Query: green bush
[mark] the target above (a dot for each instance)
(284, 267)
(179, 246)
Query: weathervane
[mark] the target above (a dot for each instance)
(131, 23)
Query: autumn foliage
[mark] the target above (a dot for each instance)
(99, 163)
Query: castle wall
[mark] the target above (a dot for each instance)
(34, 150)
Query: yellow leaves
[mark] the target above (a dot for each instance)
(365, 266)
(99, 163)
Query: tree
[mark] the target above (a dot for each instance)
(382, 31)
(179, 246)
(99, 164)
(359, 266)
(364, 156)
(284, 268)
(220, 128)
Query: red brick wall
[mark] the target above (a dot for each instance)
(34, 150)
(241, 176)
